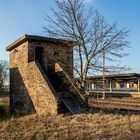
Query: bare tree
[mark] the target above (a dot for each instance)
(92, 34)
(3, 75)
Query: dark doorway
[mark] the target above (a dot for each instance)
(39, 54)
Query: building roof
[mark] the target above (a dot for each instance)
(114, 76)
(38, 39)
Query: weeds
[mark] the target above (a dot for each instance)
(90, 126)
(4, 108)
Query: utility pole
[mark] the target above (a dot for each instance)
(103, 75)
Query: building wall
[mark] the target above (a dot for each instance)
(30, 91)
(128, 85)
(18, 75)
(53, 53)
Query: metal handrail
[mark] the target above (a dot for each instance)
(73, 83)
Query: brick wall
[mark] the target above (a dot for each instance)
(30, 91)
(52, 54)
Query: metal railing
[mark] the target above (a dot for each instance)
(71, 82)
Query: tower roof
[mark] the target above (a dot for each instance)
(38, 39)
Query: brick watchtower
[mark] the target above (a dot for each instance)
(34, 85)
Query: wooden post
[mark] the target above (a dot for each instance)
(138, 85)
(110, 86)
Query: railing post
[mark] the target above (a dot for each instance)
(110, 86)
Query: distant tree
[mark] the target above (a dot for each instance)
(93, 37)
(3, 75)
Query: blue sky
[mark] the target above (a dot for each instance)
(19, 17)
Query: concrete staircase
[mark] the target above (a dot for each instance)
(68, 98)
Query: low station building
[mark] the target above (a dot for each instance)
(117, 82)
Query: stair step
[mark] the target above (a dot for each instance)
(68, 98)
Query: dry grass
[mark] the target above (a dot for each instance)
(4, 107)
(4, 101)
(91, 126)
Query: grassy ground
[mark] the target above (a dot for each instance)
(99, 125)
(80, 127)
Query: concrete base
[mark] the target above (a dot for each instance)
(117, 94)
